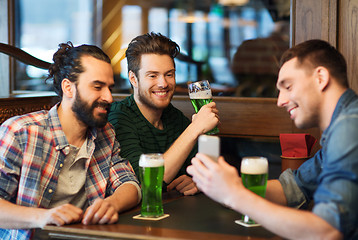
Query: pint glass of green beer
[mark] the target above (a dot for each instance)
(200, 94)
(151, 171)
(254, 174)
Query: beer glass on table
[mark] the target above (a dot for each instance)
(151, 171)
(200, 94)
(254, 175)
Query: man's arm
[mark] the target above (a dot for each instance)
(287, 222)
(102, 211)
(14, 216)
(205, 120)
(274, 192)
(19, 217)
(123, 192)
(106, 210)
(221, 182)
(175, 156)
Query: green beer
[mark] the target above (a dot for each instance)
(151, 171)
(198, 103)
(255, 183)
(200, 95)
(254, 175)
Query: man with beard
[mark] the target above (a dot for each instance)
(146, 122)
(63, 165)
(314, 90)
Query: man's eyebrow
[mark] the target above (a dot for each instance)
(151, 72)
(99, 82)
(281, 83)
(157, 72)
(171, 71)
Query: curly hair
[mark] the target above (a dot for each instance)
(148, 43)
(67, 63)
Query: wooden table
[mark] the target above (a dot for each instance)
(191, 217)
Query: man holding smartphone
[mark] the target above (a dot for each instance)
(146, 121)
(314, 89)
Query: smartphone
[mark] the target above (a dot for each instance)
(210, 146)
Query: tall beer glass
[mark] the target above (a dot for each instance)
(151, 171)
(254, 174)
(200, 94)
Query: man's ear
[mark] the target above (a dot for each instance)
(67, 88)
(323, 77)
(133, 79)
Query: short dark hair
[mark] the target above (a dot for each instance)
(314, 53)
(67, 63)
(149, 43)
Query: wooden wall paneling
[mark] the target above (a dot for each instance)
(307, 13)
(248, 117)
(333, 22)
(312, 19)
(253, 117)
(347, 38)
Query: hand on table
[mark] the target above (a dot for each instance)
(184, 184)
(101, 211)
(61, 215)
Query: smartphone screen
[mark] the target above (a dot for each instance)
(210, 146)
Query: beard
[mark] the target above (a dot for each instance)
(145, 100)
(85, 112)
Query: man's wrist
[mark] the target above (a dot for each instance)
(235, 200)
(194, 131)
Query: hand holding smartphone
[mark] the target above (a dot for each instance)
(210, 146)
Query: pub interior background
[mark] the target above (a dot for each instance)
(235, 44)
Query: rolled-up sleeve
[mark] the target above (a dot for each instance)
(122, 172)
(294, 195)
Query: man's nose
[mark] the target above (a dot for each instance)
(282, 99)
(162, 81)
(107, 95)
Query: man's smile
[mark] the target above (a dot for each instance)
(160, 93)
(292, 111)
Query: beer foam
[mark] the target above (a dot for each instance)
(151, 160)
(206, 94)
(256, 165)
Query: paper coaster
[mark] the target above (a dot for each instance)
(150, 218)
(240, 222)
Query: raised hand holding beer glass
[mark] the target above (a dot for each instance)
(254, 175)
(200, 94)
(151, 172)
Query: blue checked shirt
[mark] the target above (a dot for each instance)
(32, 152)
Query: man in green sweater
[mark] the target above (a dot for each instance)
(146, 122)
